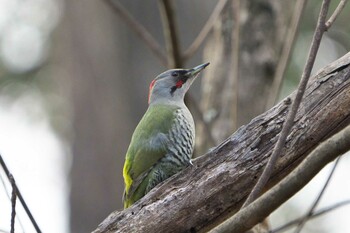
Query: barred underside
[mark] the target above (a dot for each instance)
(180, 149)
(181, 137)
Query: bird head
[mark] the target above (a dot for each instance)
(172, 85)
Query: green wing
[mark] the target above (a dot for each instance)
(148, 145)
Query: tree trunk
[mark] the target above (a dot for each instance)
(93, 72)
(260, 39)
(216, 186)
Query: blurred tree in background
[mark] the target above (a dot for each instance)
(91, 72)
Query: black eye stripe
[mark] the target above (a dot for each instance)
(172, 90)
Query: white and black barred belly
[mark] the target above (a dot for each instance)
(180, 148)
(181, 138)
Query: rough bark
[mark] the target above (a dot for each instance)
(256, 211)
(217, 184)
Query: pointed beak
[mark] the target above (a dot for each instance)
(194, 71)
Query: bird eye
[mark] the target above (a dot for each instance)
(175, 74)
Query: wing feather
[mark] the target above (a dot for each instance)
(149, 144)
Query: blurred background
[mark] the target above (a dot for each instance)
(74, 83)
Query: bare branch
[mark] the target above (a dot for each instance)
(286, 53)
(8, 196)
(335, 14)
(314, 215)
(24, 204)
(234, 68)
(254, 213)
(170, 33)
(205, 30)
(320, 28)
(13, 203)
(312, 208)
(140, 30)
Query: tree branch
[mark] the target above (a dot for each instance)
(170, 33)
(234, 68)
(214, 188)
(286, 53)
(314, 215)
(140, 30)
(13, 203)
(314, 205)
(320, 28)
(249, 216)
(19, 195)
(8, 196)
(335, 14)
(205, 30)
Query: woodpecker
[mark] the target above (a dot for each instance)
(163, 141)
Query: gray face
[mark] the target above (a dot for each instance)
(172, 85)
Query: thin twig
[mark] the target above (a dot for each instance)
(170, 33)
(234, 68)
(205, 30)
(286, 53)
(139, 29)
(13, 203)
(335, 14)
(257, 211)
(295, 105)
(314, 215)
(314, 205)
(24, 204)
(8, 196)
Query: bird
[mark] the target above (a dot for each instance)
(163, 141)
